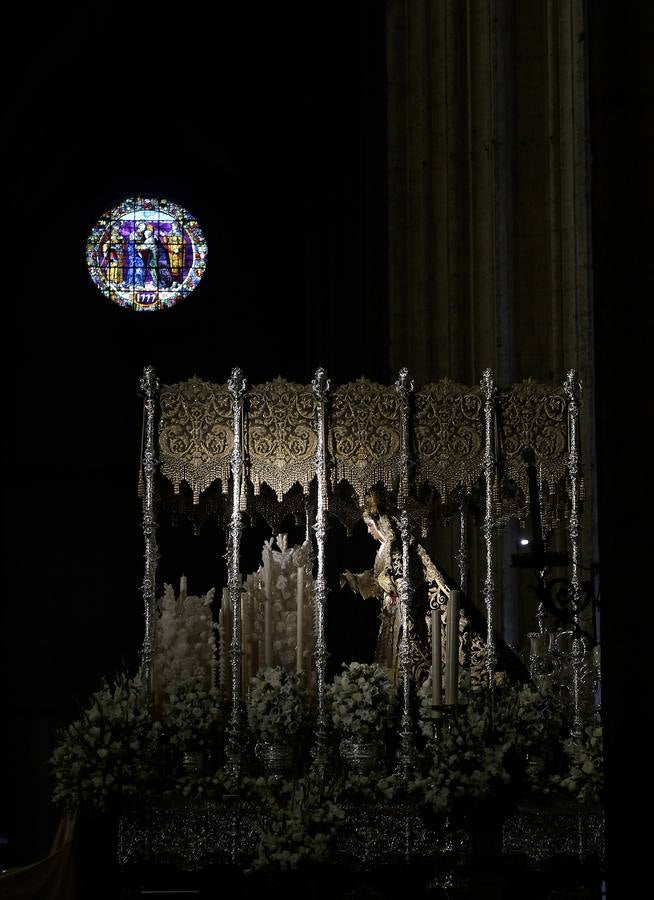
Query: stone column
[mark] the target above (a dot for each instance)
(488, 201)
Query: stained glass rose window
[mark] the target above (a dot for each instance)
(146, 254)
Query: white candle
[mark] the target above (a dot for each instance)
(245, 644)
(452, 649)
(436, 658)
(183, 586)
(300, 609)
(255, 631)
(267, 623)
(225, 638)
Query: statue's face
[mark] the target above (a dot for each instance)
(372, 529)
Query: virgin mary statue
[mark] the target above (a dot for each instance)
(384, 581)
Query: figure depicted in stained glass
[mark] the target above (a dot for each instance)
(146, 253)
(135, 266)
(174, 242)
(113, 253)
(154, 256)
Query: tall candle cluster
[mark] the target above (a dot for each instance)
(185, 645)
(276, 615)
(451, 643)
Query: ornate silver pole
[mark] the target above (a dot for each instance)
(572, 390)
(462, 559)
(234, 750)
(406, 753)
(150, 391)
(489, 391)
(462, 555)
(321, 387)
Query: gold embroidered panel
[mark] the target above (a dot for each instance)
(449, 436)
(364, 435)
(196, 434)
(363, 431)
(532, 429)
(281, 435)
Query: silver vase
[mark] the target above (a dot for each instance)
(276, 758)
(362, 755)
(192, 762)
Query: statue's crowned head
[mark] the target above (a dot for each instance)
(376, 514)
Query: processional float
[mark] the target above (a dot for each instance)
(465, 445)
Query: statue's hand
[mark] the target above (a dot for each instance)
(390, 601)
(348, 578)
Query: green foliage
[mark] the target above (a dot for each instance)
(192, 716)
(584, 778)
(300, 826)
(277, 703)
(359, 700)
(109, 752)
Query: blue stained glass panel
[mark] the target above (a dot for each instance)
(146, 254)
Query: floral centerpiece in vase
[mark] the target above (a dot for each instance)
(276, 712)
(191, 721)
(108, 754)
(583, 777)
(360, 704)
(494, 752)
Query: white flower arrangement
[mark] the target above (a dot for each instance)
(192, 716)
(463, 764)
(360, 700)
(108, 753)
(585, 776)
(185, 642)
(277, 702)
(476, 756)
(299, 828)
(530, 721)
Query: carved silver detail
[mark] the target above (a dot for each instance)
(462, 555)
(545, 836)
(362, 756)
(276, 759)
(321, 386)
(190, 836)
(234, 751)
(489, 391)
(572, 390)
(406, 753)
(150, 390)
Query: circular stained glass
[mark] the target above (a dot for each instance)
(146, 254)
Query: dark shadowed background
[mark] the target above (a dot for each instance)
(269, 126)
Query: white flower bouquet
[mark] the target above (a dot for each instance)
(465, 763)
(192, 716)
(511, 754)
(109, 752)
(277, 703)
(360, 700)
(299, 828)
(585, 776)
